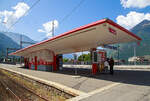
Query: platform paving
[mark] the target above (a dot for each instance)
(82, 83)
(124, 85)
(116, 66)
(122, 92)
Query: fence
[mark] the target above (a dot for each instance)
(116, 63)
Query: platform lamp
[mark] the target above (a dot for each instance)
(20, 47)
(135, 54)
(75, 62)
(118, 53)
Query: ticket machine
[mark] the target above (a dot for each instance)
(102, 55)
(98, 58)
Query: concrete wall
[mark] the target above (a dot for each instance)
(32, 67)
(45, 67)
(42, 55)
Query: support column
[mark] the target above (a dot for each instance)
(29, 65)
(35, 62)
(24, 62)
(94, 62)
(54, 63)
(94, 68)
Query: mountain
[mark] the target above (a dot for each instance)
(6, 42)
(12, 40)
(16, 37)
(46, 38)
(127, 50)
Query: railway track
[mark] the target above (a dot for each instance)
(15, 97)
(17, 92)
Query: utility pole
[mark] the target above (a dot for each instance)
(52, 28)
(75, 62)
(135, 55)
(6, 54)
(21, 43)
(7, 51)
(20, 47)
(118, 54)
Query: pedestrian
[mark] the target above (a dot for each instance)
(111, 64)
(106, 65)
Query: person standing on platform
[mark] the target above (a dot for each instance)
(106, 65)
(111, 64)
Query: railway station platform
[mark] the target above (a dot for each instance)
(135, 83)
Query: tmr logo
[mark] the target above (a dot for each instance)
(114, 32)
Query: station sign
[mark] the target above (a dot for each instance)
(110, 47)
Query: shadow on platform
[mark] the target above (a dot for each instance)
(135, 77)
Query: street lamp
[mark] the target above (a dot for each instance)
(134, 55)
(75, 62)
(118, 53)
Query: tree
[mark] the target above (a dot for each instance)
(85, 57)
(65, 60)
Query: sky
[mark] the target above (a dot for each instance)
(36, 22)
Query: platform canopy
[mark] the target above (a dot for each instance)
(99, 33)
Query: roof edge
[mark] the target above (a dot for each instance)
(123, 29)
(63, 34)
(81, 28)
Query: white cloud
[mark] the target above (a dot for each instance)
(48, 26)
(20, 9)
(132, 19)
(7, 18)
(40, 30)
(135, 3)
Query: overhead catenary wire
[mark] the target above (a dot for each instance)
(10, 16)
(71, 12)
(35, 3)
(67, 15)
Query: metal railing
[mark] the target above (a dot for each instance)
(116, 63)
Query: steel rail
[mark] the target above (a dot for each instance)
(29, 90)
(8, 89)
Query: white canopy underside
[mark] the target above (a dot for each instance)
(82, 40)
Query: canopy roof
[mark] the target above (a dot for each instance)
(99, 33)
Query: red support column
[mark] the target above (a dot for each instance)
(94, 68)
(35, 62)
(94, 64)
(29, 65)
(54, 63)
(25, 62)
